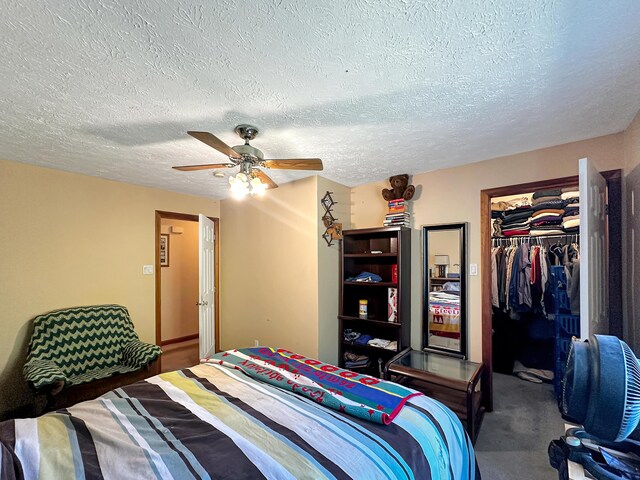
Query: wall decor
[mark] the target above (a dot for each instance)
(333, 229)
(164, 250)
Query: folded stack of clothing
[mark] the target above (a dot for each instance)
(516, 221)
(548, 209)
(353, 360)
(350, 336)
(546, 212)
(571, 216)
(366, 277)
(379, 342)
(511, 217)
(362, 339)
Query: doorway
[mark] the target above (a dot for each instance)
(178, 326)
(613, 179)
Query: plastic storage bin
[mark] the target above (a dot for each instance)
(568, 325)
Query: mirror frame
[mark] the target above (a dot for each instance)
(462, 229)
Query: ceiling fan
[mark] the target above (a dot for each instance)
(250, 160)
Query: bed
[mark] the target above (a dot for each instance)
(444, 317)
(244, 414)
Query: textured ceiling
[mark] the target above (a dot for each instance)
(373, 87)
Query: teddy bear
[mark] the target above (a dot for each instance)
(400, 188)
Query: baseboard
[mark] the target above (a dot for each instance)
(179, 339)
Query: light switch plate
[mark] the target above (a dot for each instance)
(147, 269)
(473, 269)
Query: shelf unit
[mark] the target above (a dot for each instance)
(394, 245)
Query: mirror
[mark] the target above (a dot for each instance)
(444, 300)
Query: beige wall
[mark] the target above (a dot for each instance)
(180, 281)
(67, 240)
(632, 144)
(453, 195)
(279, 280)
(329, 268)
(269, 272)
(444, 242)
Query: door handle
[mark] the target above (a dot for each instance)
(203, 303)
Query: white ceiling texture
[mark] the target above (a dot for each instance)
(372, 87)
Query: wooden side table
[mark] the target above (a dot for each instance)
(450, 380)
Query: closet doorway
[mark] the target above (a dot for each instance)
(614, 228)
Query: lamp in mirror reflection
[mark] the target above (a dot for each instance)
(442, 262)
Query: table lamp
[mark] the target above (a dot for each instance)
(442, 262)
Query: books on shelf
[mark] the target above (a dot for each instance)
(397, 215)
(397, 209)
(397, 221)
(397, 224)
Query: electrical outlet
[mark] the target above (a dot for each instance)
(256, 343)
(147, 269)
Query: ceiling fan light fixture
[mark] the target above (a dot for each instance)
(239, 185)
(257, 187)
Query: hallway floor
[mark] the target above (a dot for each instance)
(176, 356)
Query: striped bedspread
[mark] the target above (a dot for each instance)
(209, 421)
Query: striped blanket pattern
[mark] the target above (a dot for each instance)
(360, 395)
(210, 421)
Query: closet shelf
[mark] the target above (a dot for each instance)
(556, 235)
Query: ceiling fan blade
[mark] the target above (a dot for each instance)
(295, 164)
(214, 142)
(264, 178)
(189, 168)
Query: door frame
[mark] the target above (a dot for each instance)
(614, 224)
(160, 214)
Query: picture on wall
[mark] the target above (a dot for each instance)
(164, 250)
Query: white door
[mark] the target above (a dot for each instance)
(206, 315)
(594, 294)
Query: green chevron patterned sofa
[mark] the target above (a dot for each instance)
(82, 352)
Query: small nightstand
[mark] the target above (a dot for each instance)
(450, 380)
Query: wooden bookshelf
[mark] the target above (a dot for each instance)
(375, 250)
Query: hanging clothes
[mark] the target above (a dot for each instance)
(520, 277)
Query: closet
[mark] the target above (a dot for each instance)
(535, 282)
(598, 241)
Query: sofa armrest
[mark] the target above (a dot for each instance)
(139, 354)
(44, 373)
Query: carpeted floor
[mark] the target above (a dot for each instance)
(513, 439)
